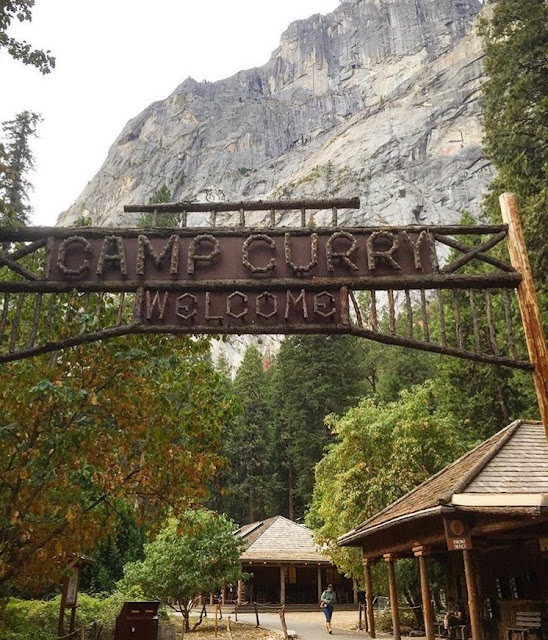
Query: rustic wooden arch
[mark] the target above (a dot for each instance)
(290, 266)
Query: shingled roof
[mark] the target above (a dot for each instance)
(511, 468)
(279, 540)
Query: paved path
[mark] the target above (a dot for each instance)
(306, 630)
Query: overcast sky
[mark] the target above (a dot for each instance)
(115, 57)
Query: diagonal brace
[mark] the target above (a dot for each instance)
(471, 254)
(22, 271)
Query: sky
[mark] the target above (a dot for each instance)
(115, 57)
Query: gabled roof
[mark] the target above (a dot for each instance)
(279, 540)
(509, 469)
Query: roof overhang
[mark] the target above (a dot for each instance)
(499, 500)
(352, 538)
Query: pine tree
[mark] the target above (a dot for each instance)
(18, 162)
(161, 195)
(314, 376)
(246, 442)
(516, 116)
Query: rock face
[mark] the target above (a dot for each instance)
(380, 99)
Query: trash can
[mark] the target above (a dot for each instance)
(137, 621)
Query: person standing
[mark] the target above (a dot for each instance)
(327, 601)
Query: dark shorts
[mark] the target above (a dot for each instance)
(328, 612)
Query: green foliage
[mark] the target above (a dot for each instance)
(162, 194)
(20, 10)
(111, 554)
(16, 161)
(132, 424)
(38, 619)
(516, 116)
(197, 553)
(246, 442)
(313, 376)
(380, 453)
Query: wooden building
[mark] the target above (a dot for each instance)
(491, 508)
(285, 564)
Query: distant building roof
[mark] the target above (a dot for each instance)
(508, 470)
(279, 540)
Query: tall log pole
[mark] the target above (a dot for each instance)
(390, 559)
(473, 606)
(282, 585)
(422, 552)
(320, 591)
(369, 596)
(528, 302)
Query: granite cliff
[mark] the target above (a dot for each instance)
(379, 98)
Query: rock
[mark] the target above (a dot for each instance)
(380, 98)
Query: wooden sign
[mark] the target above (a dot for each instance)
(265, 275)
(70, 587)
(236, 254)
(457, 534)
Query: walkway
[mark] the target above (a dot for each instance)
(307, 626)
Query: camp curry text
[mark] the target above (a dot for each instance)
(261, 256)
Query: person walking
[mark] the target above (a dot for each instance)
(327, 601)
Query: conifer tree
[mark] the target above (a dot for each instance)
(17, 163)
(516, 116)
(246, 443)
(314, 376)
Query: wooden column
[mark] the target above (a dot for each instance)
(320, 590)
(473, 605)
(422, 553)
(390, 559)
(528, 302)
(367, 563)
(282, 585)
(240, 592)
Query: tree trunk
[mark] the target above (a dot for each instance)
(291, 498)
(251, 501)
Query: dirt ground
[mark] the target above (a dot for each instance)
(206, 631)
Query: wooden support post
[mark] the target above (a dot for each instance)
(369, 596)
(427, 611)
(390, 560)
(528, 302)
(240, 597)
(320, 590)
(473, 605)
(283, 623)
(282, 585)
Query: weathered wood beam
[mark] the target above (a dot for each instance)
(24, 234)
(528, 302)
(271, 329)
(250, 205)
(379, 283)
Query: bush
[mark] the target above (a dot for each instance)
(38, 619)
(383, 621)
